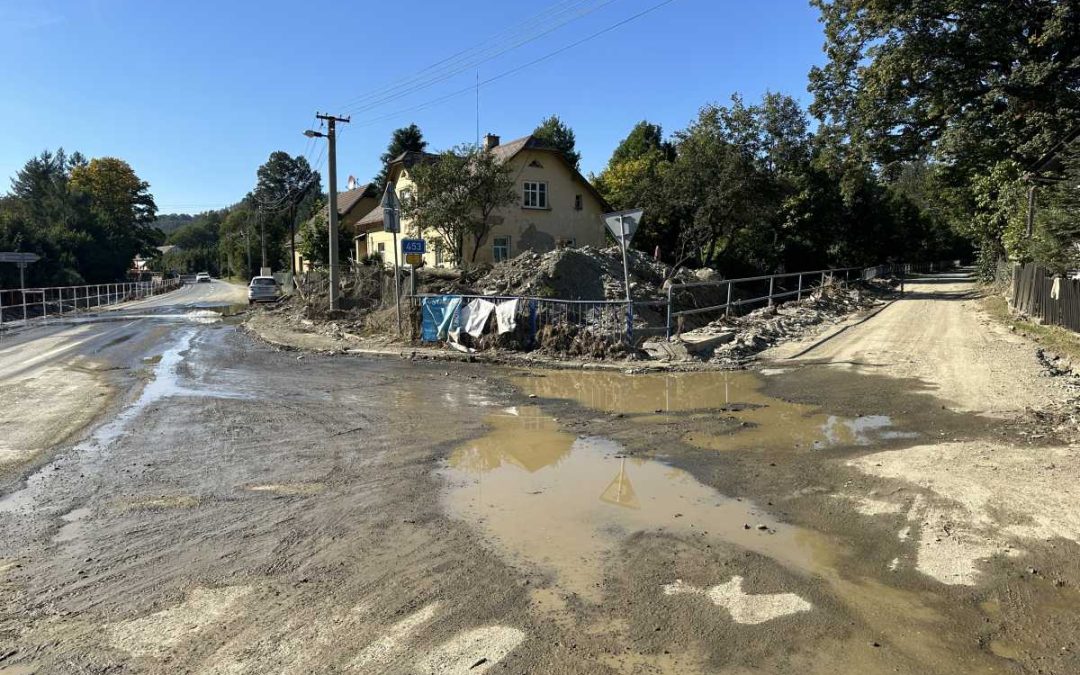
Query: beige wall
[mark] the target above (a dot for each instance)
(539, 230)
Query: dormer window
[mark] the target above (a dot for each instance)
(535, 195)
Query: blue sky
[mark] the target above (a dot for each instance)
(196, 94)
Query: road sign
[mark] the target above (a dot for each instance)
(623, 222)
(414, 259)
(15, 257)
(390, 218)
(413, 246)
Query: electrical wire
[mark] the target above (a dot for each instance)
(517, 69)
(415, 84)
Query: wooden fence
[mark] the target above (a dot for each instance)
(1050, 299)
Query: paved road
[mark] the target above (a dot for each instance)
(178, 497)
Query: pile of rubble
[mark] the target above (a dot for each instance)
(579, 274)
(733, 340)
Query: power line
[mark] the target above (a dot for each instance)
(470, 64)
(517, 69)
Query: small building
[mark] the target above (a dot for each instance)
(556, 207)
(353, 204)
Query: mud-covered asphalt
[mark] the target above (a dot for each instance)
(239, 509)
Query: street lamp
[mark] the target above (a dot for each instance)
(331, 138)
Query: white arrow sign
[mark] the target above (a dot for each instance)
(623, 223)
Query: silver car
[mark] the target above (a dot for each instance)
(263, 289)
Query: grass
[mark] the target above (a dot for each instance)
(1053, 338)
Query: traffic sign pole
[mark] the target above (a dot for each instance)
(626, 280)
(22, 289)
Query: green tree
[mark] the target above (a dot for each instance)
(973, 86)
(286, 193)
(405, 139)
(456, 195)
(555, 133)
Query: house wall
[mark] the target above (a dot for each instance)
(529, 229)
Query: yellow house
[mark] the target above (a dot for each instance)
(353, 204)
(556, 206)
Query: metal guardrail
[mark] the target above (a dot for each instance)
(22, 307)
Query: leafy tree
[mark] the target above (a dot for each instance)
(456, 195)
(554, 133)
(238, 240)
(981, 88)
(405, 139)
(314, 237)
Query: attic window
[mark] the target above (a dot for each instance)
(577, 203)
(536, 164)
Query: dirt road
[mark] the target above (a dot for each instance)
(240, 509)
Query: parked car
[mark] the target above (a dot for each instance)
(202, 278)
(263, 289)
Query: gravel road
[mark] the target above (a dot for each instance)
(203, 502)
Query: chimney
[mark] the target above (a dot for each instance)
(490, 141)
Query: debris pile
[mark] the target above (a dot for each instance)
(733, 340)
(567, 340)
(578, 274)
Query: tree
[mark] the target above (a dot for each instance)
(554, 133)
(713, 192)
(286, 193)
(456, 195)
(969, 85)
(405, 139)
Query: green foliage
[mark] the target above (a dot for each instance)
(405, 139)
(978, 88)
(86, 219)
(455, 196)
(554, 133)
(314, 237)
(747, 188)
(287, 193)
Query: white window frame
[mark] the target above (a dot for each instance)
(534, 195)
(496, 246)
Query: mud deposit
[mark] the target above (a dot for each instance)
(245, 510)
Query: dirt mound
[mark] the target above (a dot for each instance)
(578, 274)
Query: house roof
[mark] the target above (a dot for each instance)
(504, 152)
(350, 198)
(373, 217)
(507, 151)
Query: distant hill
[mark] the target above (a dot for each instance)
(171, 222)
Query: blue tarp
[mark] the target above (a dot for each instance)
(436, 315)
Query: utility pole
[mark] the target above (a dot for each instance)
(331, 138)
(262, 235)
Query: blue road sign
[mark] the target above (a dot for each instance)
(413, 246)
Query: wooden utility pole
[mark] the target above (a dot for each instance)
(331, 138)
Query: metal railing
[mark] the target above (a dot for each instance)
(785, 286)
(25, 306)
(602, 318)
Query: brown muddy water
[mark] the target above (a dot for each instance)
(567, 497)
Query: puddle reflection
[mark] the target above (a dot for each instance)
(566, 504)
(767, 423)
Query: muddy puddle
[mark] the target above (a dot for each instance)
(762, 422)
(565, 503)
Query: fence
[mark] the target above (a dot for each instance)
(1050, 299)
(602, 318)
(21, 307)
(609, 318)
